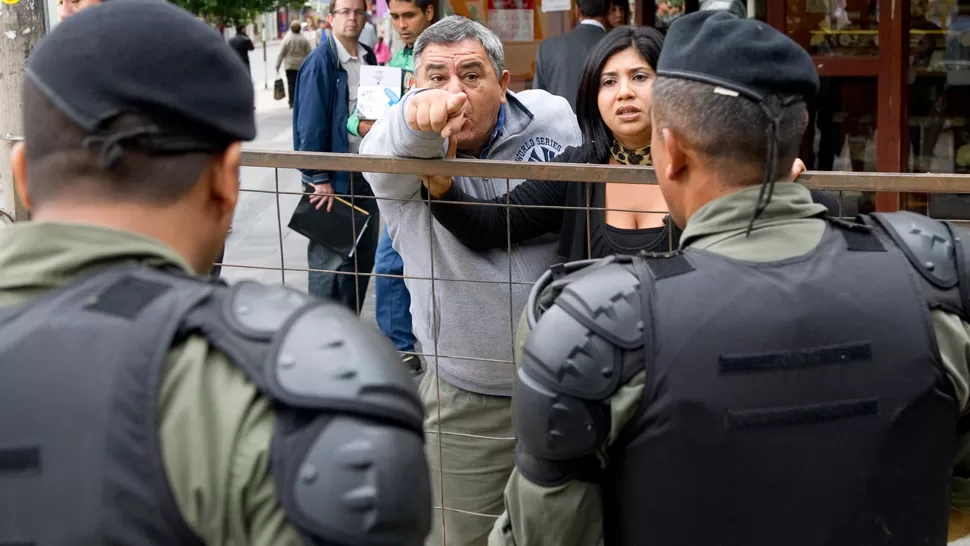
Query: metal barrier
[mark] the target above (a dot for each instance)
(282, 184)
(269, 196)
(509, 170)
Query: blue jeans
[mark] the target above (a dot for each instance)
(393, 305)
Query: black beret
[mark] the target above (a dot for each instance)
(153, 59)
(742, 55)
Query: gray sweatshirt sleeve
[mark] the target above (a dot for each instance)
(392, 136)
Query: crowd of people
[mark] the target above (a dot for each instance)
(714, 359)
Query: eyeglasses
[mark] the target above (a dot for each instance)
(346, 12)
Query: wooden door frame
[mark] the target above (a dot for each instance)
(645, 12)
(893, 94)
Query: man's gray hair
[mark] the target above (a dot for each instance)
(729, 131)
(455, 29)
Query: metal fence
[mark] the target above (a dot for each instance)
(284, 190)
(261, 247)
(281, 189)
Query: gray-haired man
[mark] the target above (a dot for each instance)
(461, 92)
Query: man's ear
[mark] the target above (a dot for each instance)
(18, 164)
(429, 13)
(674, 148)
(503, 82)
(224, 187)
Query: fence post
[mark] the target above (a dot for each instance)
(22, 25)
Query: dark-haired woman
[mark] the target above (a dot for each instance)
(612, 106)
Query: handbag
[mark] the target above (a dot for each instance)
(279, 89)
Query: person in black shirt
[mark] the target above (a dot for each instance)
(613, 101)
(242, 45)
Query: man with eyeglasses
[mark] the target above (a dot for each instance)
(326, 94)
(67, 8)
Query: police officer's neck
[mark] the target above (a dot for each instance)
(182, 229)
(703, 184)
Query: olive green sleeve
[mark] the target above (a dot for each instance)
(567, 515)
(953, 338)
(215, 431)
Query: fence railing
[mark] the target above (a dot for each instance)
(829, 181)
(262, 247)
(842, 183)
(284, 187)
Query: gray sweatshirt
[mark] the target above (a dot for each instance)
(467, 319)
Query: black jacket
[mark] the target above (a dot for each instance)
(242, 45)
(560, 60)
(484, 228)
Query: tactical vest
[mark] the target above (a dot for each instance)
(80, 371)
(760, 426)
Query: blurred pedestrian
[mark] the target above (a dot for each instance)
(242, 45)
(381, 51)
(293, 52)
(619, 14)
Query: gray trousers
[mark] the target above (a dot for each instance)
(345, 280)
(469, 446)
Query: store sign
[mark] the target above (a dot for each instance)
(512, 20)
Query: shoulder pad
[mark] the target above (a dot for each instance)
(357, 482)
(607, 300)
(325, 359)
(572, 363)
(604, 282)
(573, 345)
(927, 243)
(257, 311)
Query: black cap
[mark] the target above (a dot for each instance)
(153, 59)
(742, 55)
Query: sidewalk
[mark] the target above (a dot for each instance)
(265, 101)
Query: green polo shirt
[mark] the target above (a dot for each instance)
(214, 427)
(572, 514)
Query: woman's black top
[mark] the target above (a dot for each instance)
(485, 228)
(606, 240)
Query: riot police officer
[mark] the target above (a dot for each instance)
(140, 402)
(784, 378)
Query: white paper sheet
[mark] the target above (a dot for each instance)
(379, 89)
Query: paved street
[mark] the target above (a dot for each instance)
(259, 230)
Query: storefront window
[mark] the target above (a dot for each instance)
(841, 133)
(939, 100)
(668, 11)
(835, 27)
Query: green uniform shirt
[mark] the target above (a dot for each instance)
(404, 60)
(572, 514)
(214, 427)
